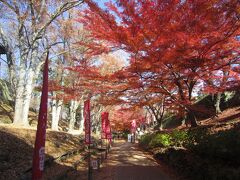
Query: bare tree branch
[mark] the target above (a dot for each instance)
(63, 8)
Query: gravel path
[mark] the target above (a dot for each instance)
(127, 162)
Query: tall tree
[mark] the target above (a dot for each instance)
(69, 32)
(25, 35)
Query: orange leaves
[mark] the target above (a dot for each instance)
(174, 47)
(121, 118)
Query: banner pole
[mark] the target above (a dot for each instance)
(106, 148)
(39, 147)
(89, 163)
(87, 125)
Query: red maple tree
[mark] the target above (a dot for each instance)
(173, 45)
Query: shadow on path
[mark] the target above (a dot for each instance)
(127, 162)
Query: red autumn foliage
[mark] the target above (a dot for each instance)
(174, 45)
(121, 118)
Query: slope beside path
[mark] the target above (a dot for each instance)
(127, 162)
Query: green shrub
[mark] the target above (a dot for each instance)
(145, 140)
(205, 155)
(161, 140)
(155, 140)
(179, 137)
(223, 145)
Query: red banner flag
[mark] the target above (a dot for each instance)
(133, 126)
(109, 136)
(39, 148)
(104, 117)
(108, 132)
(87, 122)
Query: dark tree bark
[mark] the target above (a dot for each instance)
(191, 118)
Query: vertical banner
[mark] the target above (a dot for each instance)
(103, 118)
(104, 124)
(108, 129)
(39, 148)
(133, 126)
(109, 137)
(133, 130)
(87, 122)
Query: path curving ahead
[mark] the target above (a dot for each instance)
(127, 162)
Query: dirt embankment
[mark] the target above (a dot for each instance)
(208, 151)
(16, 149)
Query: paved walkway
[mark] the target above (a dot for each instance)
(127, 162)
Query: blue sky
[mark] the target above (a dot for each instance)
(101, 2)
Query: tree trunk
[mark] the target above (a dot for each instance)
(217, 103)
(96, 119)
(73, 108)
(27, 95)
(24, 88)
(19, 99)
(54, 124)
(11, 78)
(59, 109)
(56, 110)
(161, 127)
(23, 96)
(191, 118)
(81, 125)
(158, 125)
